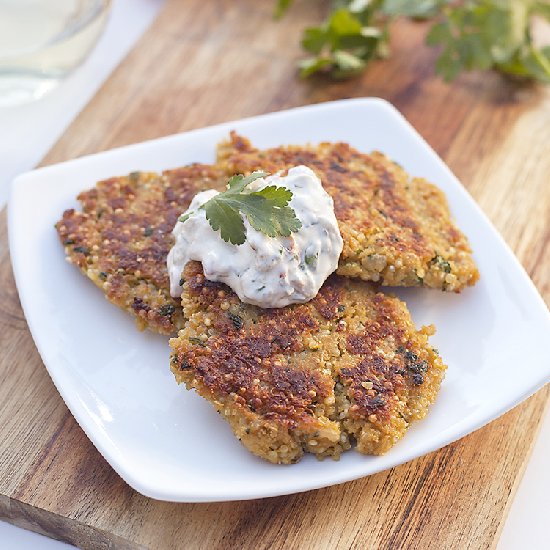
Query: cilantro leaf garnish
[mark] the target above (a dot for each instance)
(469, 34)
(266, 210)
(227, 220)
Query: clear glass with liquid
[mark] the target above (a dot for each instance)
(42, 41)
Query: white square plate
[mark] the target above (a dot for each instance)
(170, 444)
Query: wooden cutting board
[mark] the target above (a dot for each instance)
(206, 62)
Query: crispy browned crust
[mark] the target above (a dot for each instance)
(397, 230)
(122, 236)
(346, 367)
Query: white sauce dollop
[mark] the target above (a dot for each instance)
(265, 271)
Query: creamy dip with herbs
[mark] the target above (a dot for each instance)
(265, 271)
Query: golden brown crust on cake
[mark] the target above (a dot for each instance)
(396, 229)
(121, 238)
(346, 366)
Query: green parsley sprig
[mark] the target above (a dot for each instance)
(471, 34)
(266, 210)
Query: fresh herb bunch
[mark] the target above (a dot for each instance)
(266, 210)
(472, 34)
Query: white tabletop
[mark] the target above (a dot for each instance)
(28, 132)
(528, 522)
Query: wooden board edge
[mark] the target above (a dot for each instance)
(58, 527)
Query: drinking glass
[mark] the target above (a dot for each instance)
(42, 41)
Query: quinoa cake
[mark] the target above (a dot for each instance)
(347, 367)
(397, 230)
(121, 238)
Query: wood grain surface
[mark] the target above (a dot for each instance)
(206, 62)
